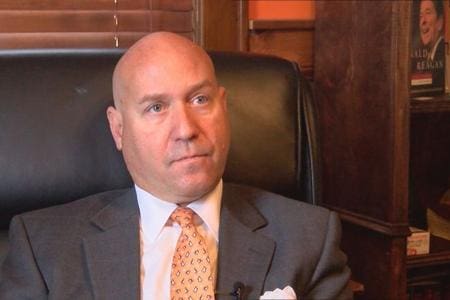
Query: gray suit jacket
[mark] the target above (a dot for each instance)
(89, 249)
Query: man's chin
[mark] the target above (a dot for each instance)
(193, 189)
(425, 40)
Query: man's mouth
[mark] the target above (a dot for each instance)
(187, 158)
(425, 30)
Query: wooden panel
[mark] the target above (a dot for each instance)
(162, 20)
(382, 268)
(224, 24)
(214, 24)
(66, 4)
(295, 45)
(71, 40)
(361, 88)
(170, 5)
(363, 102)
(94, 21)
(84, 21)
(56, 21)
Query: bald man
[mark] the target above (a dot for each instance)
(170, 122)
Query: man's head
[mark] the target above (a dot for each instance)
(170, 117)
(431, 21)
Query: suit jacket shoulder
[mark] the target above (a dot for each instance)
(280, 213)
(304, 239)
(83, 207)
(80, 250)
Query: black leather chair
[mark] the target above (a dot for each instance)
(55, 144)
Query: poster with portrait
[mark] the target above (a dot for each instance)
(447, 45)
(428, 48)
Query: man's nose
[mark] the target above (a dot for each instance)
(184, 123)
(422, 20)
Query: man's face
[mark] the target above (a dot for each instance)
(173, 129)
(430, 25)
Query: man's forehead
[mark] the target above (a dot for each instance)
(163, 48)
(166, 57)
(155, 79)
(171, 66)
(428, 5)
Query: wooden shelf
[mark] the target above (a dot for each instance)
(439, 254)
(430, 104)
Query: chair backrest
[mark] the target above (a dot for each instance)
(55, 144)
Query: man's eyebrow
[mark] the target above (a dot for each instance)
(161, 96)
(152, 98)
(202, 84)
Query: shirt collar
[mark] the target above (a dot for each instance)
(155, 212)
(436, 45)
(208, 208)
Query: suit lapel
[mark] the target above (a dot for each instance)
(113, 254)
(244, 254)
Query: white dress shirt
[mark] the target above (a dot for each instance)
(159, 236)
(435, 46)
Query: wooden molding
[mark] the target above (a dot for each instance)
(434, 259)
(280, 24)
(430, 104)
(386, 228)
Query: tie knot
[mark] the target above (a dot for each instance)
(183, 216)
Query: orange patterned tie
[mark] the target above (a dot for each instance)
(191, 277)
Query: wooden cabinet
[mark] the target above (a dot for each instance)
(384, 157)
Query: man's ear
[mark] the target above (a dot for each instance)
(115, 125)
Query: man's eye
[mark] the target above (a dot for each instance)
(155, 108)
(200, 100)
